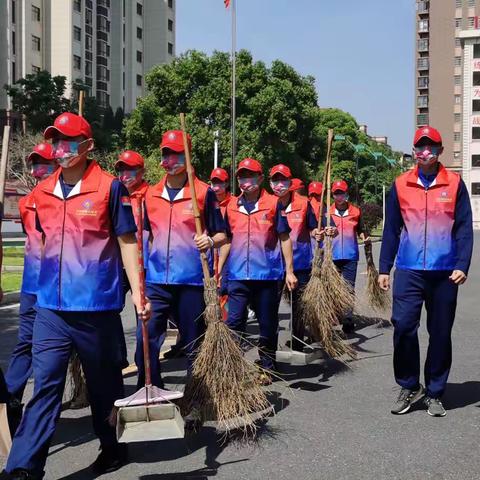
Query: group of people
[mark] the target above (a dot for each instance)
(81, 258)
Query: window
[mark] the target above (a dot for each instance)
(476, 79)
(102, 86)
(457, 118)
(77, 5)
(458, 22)
(139, 80)
(422, 101)
(14, 77)
(14, 42)
(102, 98)
(139, 33)
(458, 61)
(102, 61)
(422, 63)
(123, 32)
(139, 56)
(476, 161)
(476, 106)
(458, 99)
(35, 69)
(470, 22)
(475, 133)
(35, 14)
(102, 36)
(422, 43)
(456, 137)
(170, 48)
(170, 28)
(102, 73)
(422, 119)
(88, 42)
(77, 34)
(422, 7)
(458, 3)
(103, 24)
(476, 50)
(139, 9)
(123, 80)
(471, 3)
(423, 82)
(458, 42)
(35, 43)
(123, 56)
(423, 26)
(88, 17)
(88, 69)
(77, 62)
(101, 48)
(89, 56)
(13, 11)
(475, 188)
(170, 3)
(458, 79)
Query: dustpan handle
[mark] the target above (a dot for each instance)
(141, 281)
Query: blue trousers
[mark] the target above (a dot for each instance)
(186, 304)
(411, 289)
(298, 327)
(20, 368)
(348, 270)
(55, 334)
(262, 295)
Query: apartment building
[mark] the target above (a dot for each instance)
(109, 45)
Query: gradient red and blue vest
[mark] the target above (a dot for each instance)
(80, 268)
(174, 258)
(137, 198)
(255, 248)
(296, 213)
(33, 245)
(426, 241)
(345, 244)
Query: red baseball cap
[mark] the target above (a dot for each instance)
(173, 140)
(250, 164)
(315, 188)
(297, 184)
(282, 170)
(44, 150)
(220, 174)
(130, 158)
(340, 185)
(427, 132)
(70, 125)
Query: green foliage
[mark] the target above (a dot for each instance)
(40, 97)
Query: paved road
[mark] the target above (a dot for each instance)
(332, 423)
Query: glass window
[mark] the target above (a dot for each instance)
(139, 9)
(422, 63)
(476, 79)
(422, 101)
(476, 50)
(458, 61)
(471, 3)
(139, 32)
(423, 26)
(170, 28)
(35, 14)
(476, 106)
(77, 34)
(423, 82)
(422, 119)
(14, 42)
(88, 42)
(170, 48)
(77, 5)
(458, 22)
(475, 160)
(170, 3)
(458, 3)
(458, 79)
(14, 75)
(35, 43)
(88, 17)
(77, 62)
(475, 133)
(456, 137)
(470, 22)
(139, 80)
(139, 56)
(422, 43)
(457, 117)
(88, 68)
(475, 188)
(458, 42)
(458, 99)
(13, 11)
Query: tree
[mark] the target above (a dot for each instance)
(118, 120)
(40, 97)
(276, 110)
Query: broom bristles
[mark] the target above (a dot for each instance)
(77, 381)
(223, 383)
(377, 298)
(326, 298)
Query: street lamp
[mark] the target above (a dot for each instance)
(209, 121)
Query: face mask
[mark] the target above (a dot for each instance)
(219, 188)
(66, 152)
(248, 184)
(130, 178)
(280, 187)
(340, 197)
(173, 163)
(427, 155)
(40, 171)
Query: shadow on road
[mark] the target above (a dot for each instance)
(460, 395)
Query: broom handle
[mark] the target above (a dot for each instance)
(80, 102)
(322, 196)
(329, 172)
(369, 254)
(196, 210)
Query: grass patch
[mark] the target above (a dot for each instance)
(11, 281)
(13, 256)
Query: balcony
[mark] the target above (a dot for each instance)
(422, 26)
(422, 82)
(423, 7)
(423, 63)
(422, 45)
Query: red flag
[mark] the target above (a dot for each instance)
(227, 3)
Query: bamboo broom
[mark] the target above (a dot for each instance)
(379, 300)
(223, 383)
(327, 295)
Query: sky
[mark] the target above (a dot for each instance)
(361, 53)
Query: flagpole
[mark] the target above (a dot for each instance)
(234, 81)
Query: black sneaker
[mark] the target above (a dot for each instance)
(348, 326)
(110, 459)
(434, 407)
(174, 352)
(406, 399)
